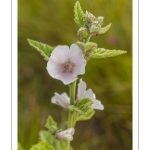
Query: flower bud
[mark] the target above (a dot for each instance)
(83, 32)
(89, 17)
(95, 28)
(66, 135)
(100, 19)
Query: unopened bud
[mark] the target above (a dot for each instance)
(95, 28)
(100, 19)
(83, 32)
(66, 135)
(89, 17)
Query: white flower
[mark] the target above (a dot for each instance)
(62, 100)
(66, 135)
(83, 93)
(65, 64)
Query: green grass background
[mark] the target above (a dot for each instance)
(52, 22)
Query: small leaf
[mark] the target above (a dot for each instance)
(79, 16)
(105, 29)
(42, 146)
(44, 49)
(87, 46)
(51, 125)
(103, 53)
(46, 136)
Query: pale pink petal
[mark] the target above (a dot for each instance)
(79, 69)
(53, 68)
(69, 138)
(70, 131)
(58, 99)
(65, 135)
(66, 78)
(81, 89)
(65, 97)
(60, 54)
(76, 55)
(99, 107)
(89, 94)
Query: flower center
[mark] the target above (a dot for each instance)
(68, 66)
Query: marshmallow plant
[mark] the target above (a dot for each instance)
(65, 63)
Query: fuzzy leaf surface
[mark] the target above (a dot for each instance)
(44, 49)
(51, 125)
(103, 53)
(83, 109)
(42, 146)
(79, 16)
(104, 29)
(87, 46)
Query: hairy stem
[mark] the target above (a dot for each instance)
(72, 90)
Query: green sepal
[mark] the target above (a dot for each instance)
(104, 29)
(103, 53)
(44, 49)
(89, 46)
(87, 111)
(79, 16)
(42, 146)
(51, 125)
(83, 109)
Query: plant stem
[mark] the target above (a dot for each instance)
(72, 89)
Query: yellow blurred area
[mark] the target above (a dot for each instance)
(52, 22)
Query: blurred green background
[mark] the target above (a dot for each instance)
(52, 22)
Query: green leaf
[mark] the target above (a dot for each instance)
(83, 109)
(46, 136)
(44, 49)
(79, 16)
(105, 29)
(42, 146)
(89, 46)
(51, 125)
(103, 53)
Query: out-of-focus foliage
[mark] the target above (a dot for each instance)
(52, 22)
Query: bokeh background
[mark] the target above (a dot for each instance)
(52, 22)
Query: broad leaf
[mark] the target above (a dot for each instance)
(79, 16)
(42, 146)
(103, 53)
(104, 29)
(51, 125)
(44, 49)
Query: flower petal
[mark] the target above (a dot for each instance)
(54, 68)
(76, 55)
(65, 135)
(89, 94)
(81, 89)
(60, 54)
(59, 100)
(65, 97)
(99, 106)
(79, 69)
(66, 78)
